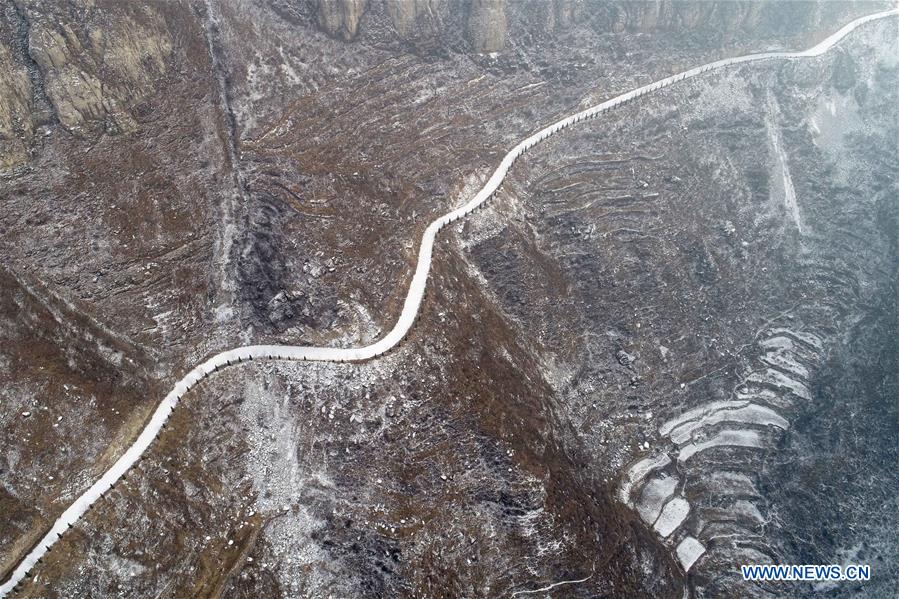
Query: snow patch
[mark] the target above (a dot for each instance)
(672, 516)
(785, 362)
(688, 551)
(748, 510)
(809, 339)
(779, 379)
(749, 414)
(782, 165)
(656, 492)
(730, 437)
(735, 482)
(699, 412)
(638, 472)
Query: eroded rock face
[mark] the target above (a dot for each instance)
(16, 124)
(421, 23)
(96, 62)
(341, 19)
(487, 25)
(667, 14)
(562, 13)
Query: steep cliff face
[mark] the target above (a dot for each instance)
(15, 110)
(561, 13)
(492, 25)
(412, 16)
(653, 15)
(487, 27)
(85, 65)
(341, 19)
(96, 62)
(483, 24)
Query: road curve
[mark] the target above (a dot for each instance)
(410, 306)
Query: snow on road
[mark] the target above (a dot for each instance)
(410, 307)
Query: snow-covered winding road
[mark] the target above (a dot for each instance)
(410, 307)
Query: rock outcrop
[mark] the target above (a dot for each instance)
(83, 65)
(418, 20)
(15, 109)
(95, 67)
(489, 25)
(341, 19)
(665, 14)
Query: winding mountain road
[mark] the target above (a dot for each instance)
(410, 307)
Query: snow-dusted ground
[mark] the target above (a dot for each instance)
(748, 414)
(789, 191)
(655, 494)
(651, 484)
(638, 472)
(689, 551)
(729, 438)
(672, 516)
(411, 305)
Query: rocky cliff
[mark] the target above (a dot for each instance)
(16, 123)
(88, 64)
(83, 64)
(492, 25)
(341, 19)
